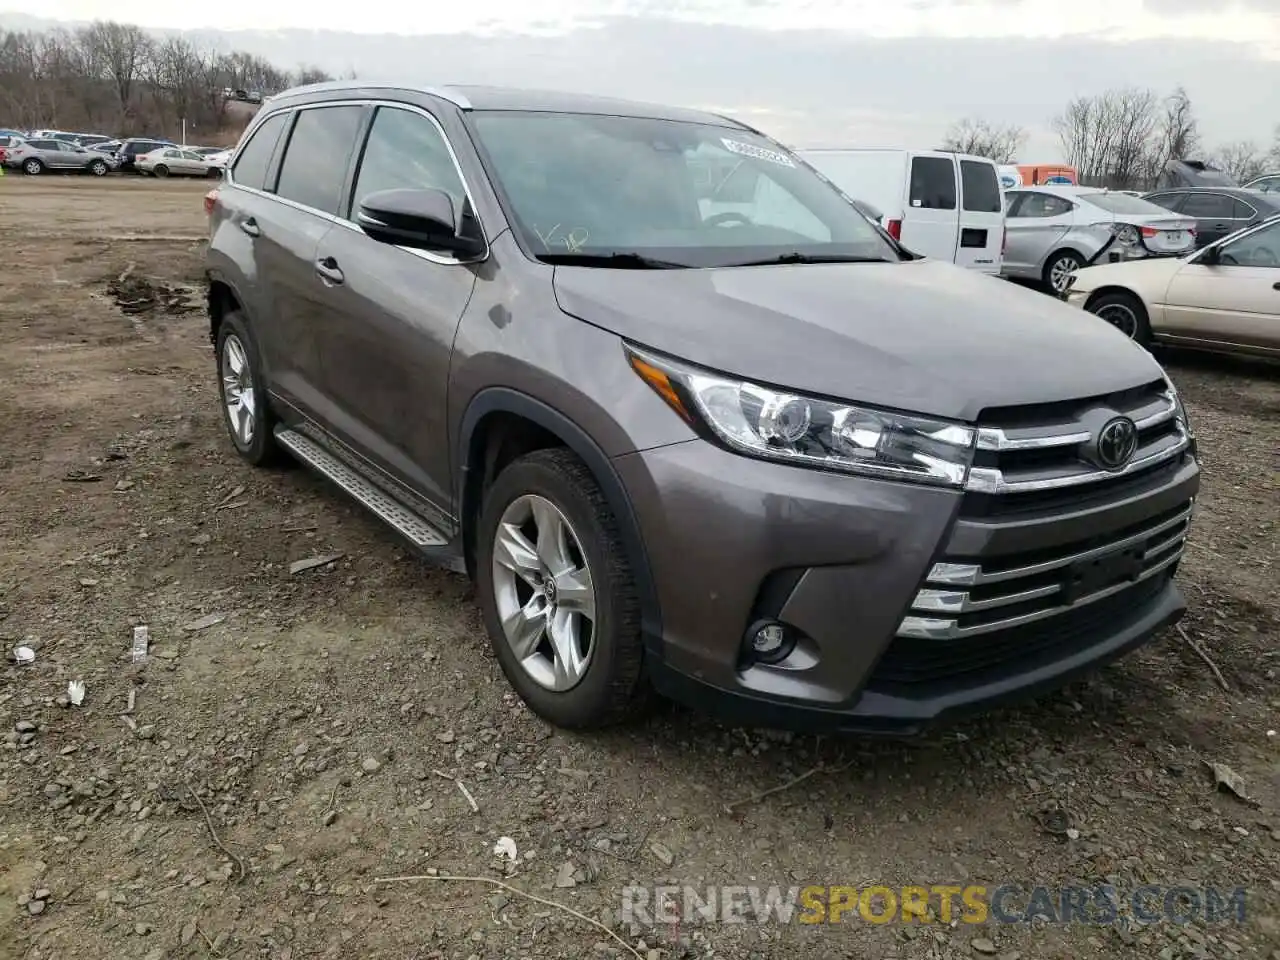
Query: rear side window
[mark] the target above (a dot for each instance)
(251, 166)
(1209, 205)
(315, 161)
(981, 187)
(933, 183)
(406, 151)
(1041, 205)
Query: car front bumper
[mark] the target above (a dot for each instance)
(842, 560)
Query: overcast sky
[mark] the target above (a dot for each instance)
(811, 72)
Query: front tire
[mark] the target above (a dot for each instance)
(1126, 313)
(243, 391)
(557, 593)
(1059, 269)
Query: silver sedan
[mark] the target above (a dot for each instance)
(1053, 231)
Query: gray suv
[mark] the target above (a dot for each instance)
(736, 447)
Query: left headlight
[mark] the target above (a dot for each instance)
(774, 424)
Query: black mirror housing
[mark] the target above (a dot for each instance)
(421, 219)
(1210, 256)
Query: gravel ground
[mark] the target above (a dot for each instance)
(293, 738)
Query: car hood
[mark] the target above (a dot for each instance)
(1150, 273)
(919, 336)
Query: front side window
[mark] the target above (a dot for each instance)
(1259, 249)
(685, 193)
(315, 161)
(406, 151)
(933, 183)
(251, 166)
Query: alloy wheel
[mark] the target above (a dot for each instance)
(238, 390)
(1061, 272)
(544, 593)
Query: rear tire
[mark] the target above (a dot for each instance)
(98, 168)
(1126, 313)
(33, 167)
(1059, 267)
(161, 170)
(244, 394)
(610, 687)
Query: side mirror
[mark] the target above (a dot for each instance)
(421, 219)
(1210, 257)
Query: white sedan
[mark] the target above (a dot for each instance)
(1224, 298)
(175, 161)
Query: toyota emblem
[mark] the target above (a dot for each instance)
(1117, 442)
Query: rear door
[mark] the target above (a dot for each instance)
(981, 240)
(931, 219)
(301, 206)
(1037, 223)
(1214, 214)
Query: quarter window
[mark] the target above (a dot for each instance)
(405, 151)
(315, 161)
(250, 169)
(933, 183)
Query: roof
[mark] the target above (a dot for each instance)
(475, 97)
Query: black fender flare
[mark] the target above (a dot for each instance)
(505, 400)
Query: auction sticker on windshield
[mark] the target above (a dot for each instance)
(758, 153)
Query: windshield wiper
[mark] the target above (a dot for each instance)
(622, 261)
(809, 258)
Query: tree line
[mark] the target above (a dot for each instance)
(119, 79)
(1122, 139)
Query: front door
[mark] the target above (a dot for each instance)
(1235, 301)
(390, 314)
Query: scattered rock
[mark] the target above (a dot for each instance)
(983, 945)
(370, 765)
(564, 878)
(663, 853)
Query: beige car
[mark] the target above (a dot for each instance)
(177, 162)
(1224, 298)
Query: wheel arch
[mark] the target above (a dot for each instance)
(222, 298)
(501, 424)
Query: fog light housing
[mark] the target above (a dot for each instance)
(769, 641)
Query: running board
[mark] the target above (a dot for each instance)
(388, 509)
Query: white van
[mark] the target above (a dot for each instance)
(946, 206)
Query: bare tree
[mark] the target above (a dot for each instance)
(1110, 139)
(307, 74)
(120, 79)
(983, 139)
(1242, 161)
(1179, 134)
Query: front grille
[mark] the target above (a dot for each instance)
(910, 664)
(964, 597)
(1039, 457)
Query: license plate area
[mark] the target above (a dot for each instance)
(1085, 577)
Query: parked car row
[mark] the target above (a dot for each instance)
(50, 151)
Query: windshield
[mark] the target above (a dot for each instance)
(1123, 203)
(675, 193)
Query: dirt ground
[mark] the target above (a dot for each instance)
(293, 738)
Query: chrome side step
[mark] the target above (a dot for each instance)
(387, 508)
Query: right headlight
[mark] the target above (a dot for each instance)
(774, 424)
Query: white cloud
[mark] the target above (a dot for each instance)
(1252, 21)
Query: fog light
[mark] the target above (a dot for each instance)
(770, 641)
